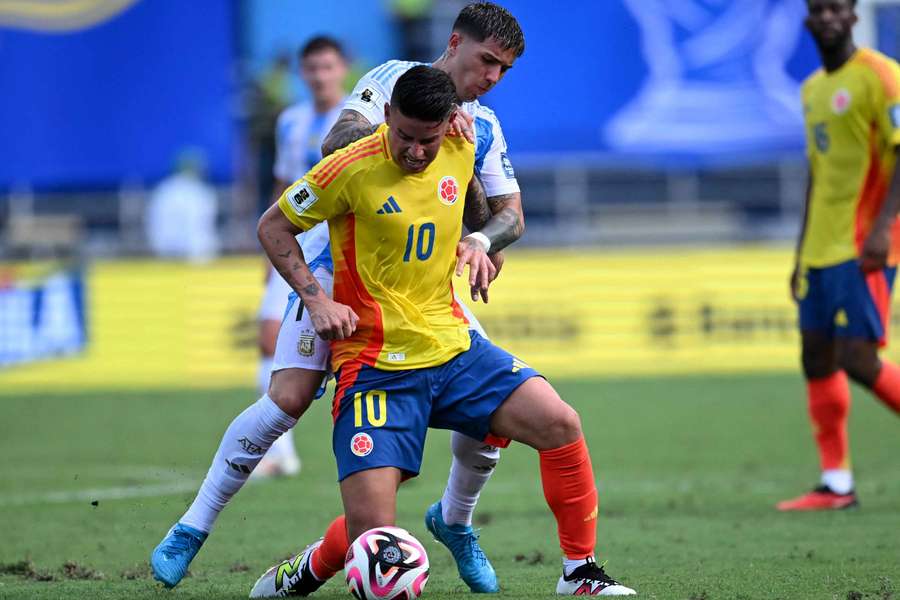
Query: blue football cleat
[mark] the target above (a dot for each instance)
(462, 541)
(171, 559)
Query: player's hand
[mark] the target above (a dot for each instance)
(461, 124)
(875, 250)
(795, 283)
(332, 320)
(496, 260)
(470, 252)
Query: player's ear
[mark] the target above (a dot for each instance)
(453, 43)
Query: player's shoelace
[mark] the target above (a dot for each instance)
(179, 543)
(467, 541)
(591, 571)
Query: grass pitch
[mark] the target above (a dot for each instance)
(688, 471)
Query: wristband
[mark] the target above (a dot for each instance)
(481, 239)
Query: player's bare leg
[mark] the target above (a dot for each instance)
(535, 415)
(828, 395)
(248, 437)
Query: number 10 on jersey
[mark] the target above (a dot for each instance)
(424, 242)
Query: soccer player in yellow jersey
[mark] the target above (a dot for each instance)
(849, 245)
(401, 348)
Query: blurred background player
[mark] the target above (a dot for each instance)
(299, 132)
(848, 246)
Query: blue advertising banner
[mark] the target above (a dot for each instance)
(42, 319)
(677, 82)
(97, 91)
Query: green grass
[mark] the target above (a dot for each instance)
(688, 471)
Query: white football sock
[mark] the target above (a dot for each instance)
(264, 374)
(243, 445)
(840, 481)
(472, 466)
(570, 564)
(283, 446)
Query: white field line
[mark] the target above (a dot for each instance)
(109, 493)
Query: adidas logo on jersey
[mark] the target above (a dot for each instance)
(518, 365)
(390, 207)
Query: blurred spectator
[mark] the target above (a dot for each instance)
(181, 215)
(413, 19)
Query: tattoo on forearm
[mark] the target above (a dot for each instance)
(351, 126)
(311, 289)
(506, 225)
(476, 213)
(284, 254)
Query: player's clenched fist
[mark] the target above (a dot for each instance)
(332, 320)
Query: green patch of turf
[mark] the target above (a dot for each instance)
(688, 469)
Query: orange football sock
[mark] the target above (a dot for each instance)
(829, 405)
(568, 480)
(887, 385)
(328, 558)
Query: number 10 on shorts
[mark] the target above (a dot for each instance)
(375, 418)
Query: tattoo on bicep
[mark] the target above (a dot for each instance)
(351, 126)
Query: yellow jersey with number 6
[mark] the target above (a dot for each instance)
(852, 120)
(393, 243)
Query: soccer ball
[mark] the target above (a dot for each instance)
(386, 563)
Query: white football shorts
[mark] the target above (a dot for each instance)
(298, 346)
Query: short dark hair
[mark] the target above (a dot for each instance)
(320, 43)
(483, 20)
(425, 93)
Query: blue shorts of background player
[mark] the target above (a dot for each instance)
(843, 301)
(381, 417)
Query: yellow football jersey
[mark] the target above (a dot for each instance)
(852, 126)
(393, 242)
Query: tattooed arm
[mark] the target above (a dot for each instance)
(332, 320)
(507, 223)
(350, 126)
(499, 218)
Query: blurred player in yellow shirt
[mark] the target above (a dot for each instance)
(849, 244)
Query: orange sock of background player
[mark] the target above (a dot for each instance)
(887, 385)
(568, 480)
(829, 405)
(328, 558)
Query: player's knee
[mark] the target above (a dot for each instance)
(860, 363)
(817, 364)
(473, 454)
(292, 400)
(564, 427)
